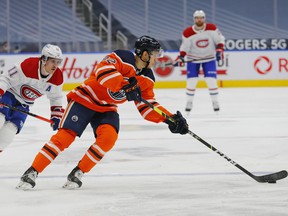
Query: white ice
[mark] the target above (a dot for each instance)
(153, 172)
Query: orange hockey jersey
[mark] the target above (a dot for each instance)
(100, 92)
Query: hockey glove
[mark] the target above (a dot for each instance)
(219, 54)
(179, 61)
(179, 126)
(132, 90)
(56, 115)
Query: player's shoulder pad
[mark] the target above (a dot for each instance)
(30, 67)
(188, 32)
(126, 56)
(57, 78)
(210, 26)
(148, 73)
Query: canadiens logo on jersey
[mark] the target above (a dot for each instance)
(202, 43)
(29, 93)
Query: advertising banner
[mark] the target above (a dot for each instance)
(236, 66)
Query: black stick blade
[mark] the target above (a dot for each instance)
(271, 178)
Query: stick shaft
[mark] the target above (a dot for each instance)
(27, 113)
(256, 178)
(190, 60)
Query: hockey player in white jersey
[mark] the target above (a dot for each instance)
(21, 85)
(203, 44)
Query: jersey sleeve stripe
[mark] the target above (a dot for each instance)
(146, 113)
(83, 92)
(83, 97)
(92, 93)
(109, 77)
(104, 73)
(104, 68)
(143, 108)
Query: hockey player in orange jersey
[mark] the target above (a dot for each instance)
(121, 76)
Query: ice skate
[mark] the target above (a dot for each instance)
(188, 108)
(74, 179)
(216, 106)
(27, 180)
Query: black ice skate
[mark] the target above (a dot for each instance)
(27, 180)
(74, 179)
(216, 106)
(188, 107)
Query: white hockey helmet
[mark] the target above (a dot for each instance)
(51, 51)
(199, 13)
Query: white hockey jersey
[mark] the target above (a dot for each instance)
(24, 81)
(201, 44)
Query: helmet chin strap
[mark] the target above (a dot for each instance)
(139, 70)
(147, 62)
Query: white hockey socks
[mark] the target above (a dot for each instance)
(7, 134)
(213, 91)
(190, 92)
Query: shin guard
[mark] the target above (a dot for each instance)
(58, 142)
(106, 138)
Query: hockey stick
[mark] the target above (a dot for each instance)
(190, 60)
(28, 113)
(270, 178)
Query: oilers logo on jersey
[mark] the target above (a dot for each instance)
(118, 96)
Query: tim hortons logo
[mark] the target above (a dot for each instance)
(163, 66)
(72, 71)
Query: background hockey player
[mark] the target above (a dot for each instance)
(23, 84)
(121, 76)
(204, 43)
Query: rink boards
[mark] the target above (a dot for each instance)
(238, 68)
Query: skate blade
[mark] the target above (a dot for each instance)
(24, 186)
(70, 185)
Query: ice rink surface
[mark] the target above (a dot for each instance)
(153, 172)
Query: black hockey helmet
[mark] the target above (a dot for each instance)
(146, 43)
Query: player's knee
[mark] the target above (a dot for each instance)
(192, 83)
(211, 82)
(63, 138)
(7, 134)
(106, 137)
